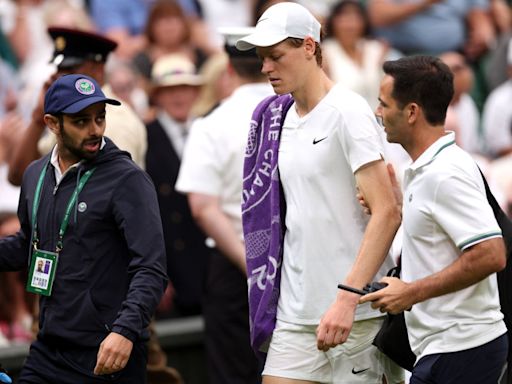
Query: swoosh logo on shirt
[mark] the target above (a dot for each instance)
(360, 371)
(315, 141)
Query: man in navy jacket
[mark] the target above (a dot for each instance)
(91, 215)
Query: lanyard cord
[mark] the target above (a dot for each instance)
(65, 221)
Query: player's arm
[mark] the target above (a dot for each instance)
(375, 186)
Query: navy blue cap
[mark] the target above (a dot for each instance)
(73, 93)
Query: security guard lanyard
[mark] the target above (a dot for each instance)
(43, 264)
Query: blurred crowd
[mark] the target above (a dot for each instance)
(169, 65)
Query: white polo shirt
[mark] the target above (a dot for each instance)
(445, 211)
(318, 156)
(213, 159)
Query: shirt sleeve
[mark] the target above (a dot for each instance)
(359, 135)
(462, 210)
(136, 211)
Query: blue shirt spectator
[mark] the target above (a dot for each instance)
(124, 14)
(428, 26)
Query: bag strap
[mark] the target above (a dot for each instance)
(395, 271)
(501, 217)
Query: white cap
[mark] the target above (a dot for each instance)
(232, 34)
(175, 69)
(279, 22)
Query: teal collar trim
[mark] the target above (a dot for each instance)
(435, 149)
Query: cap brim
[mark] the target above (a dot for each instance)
(65, 62)
(259, 39)
(175, 80)
(84, 103)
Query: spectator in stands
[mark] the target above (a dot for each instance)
(126, 84)
(497, 116)
(497, 126)
(452, 25)
(25, 23)
(501, 13)
(122, 21)
(74, 51)
(175, 88)
(463, 116)
(351, 57)
(495, 68)
(167, 31)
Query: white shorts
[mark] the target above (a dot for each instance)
(293, 354)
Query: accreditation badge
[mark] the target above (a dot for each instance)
(42, 272)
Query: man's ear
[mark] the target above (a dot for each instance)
(52, 122)
(310, 47)
(413, 112)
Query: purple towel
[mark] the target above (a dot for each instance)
(263, 216)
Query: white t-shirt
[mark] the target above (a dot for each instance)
(497, 119)
(445, 211)
(318, 156)
(213, 159)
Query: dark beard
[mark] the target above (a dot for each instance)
(76, 152)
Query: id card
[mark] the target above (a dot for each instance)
(42, 272)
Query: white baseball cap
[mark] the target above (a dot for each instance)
(279, 22)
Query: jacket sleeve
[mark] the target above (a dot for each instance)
(14, 250)
(137, 214)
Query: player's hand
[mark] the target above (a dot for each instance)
(113, 354)
(392, 299)
(336, 323)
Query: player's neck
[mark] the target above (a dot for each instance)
(312, 92)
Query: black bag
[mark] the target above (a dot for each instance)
(501, 217)
(504, 276)
(392, 339)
